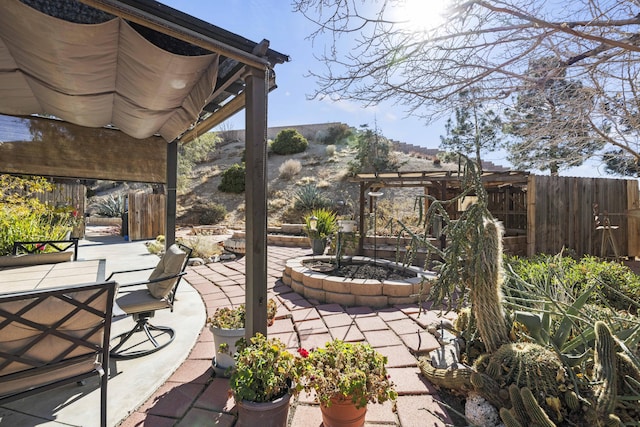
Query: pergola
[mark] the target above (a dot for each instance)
(106, 89)
(442, 184)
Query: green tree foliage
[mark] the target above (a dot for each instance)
(375, 153)
(289, 141)
(192, 153)
(337, 134)
(23, 217)
(548, 122)
(233, 179)
(476, 129)
(620, 162)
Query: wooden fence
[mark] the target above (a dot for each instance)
(68, 194)
(560, 214)
(147, 218)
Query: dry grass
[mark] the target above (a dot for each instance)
(329, 173)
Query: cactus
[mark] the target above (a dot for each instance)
(534, 410)
(453, 379)
(488, 388)
(509, 419)
(486, 297)
(525, 365)
(517, 406)
(605, 370)
(528, 411)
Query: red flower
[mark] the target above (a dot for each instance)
(302, 352)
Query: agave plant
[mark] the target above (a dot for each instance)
(109, 206)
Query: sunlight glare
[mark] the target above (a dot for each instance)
(421, 15)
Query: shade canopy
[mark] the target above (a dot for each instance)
(136, 66)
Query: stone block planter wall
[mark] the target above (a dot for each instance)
(349, 292)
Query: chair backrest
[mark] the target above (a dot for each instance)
(54, 336)
(164, 279)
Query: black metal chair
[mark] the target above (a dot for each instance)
(142, 299)
(53, 337)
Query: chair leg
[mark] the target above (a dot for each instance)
(142, 325)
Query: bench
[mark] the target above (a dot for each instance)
(53, 337)
(32, 253)
(38, 246)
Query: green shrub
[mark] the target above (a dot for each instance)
(289, 141)
(212, 213)
(233, 179)
(615, 282)
(619, 285)
(23, 217)
(309, 197)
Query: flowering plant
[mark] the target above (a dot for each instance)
(234, 318)
(228, 318)
(264, 370)
(345, 370)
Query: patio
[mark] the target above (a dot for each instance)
(176, 386)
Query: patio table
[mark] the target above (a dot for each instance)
(15, 279)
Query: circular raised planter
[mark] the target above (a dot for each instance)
(321, 285)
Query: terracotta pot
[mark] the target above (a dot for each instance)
(342, 413)
(267, 414)
(222, 361)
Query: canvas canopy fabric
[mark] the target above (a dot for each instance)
(97, 75)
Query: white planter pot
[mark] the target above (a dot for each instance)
(346, 226)
(224, 360)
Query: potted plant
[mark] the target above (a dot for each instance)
(345, 378)
(321, 224)
(261, 382)
(227, 326)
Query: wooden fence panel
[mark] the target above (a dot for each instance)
(633, 218)
(147, 218)
(68, 195)
(561, 214)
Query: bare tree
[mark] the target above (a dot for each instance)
(487, 45)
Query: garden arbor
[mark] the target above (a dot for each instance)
(107, 89)
(541, 214)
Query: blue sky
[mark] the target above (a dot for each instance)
(288, 105)
(287, 32)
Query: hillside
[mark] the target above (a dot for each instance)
(328, 172)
